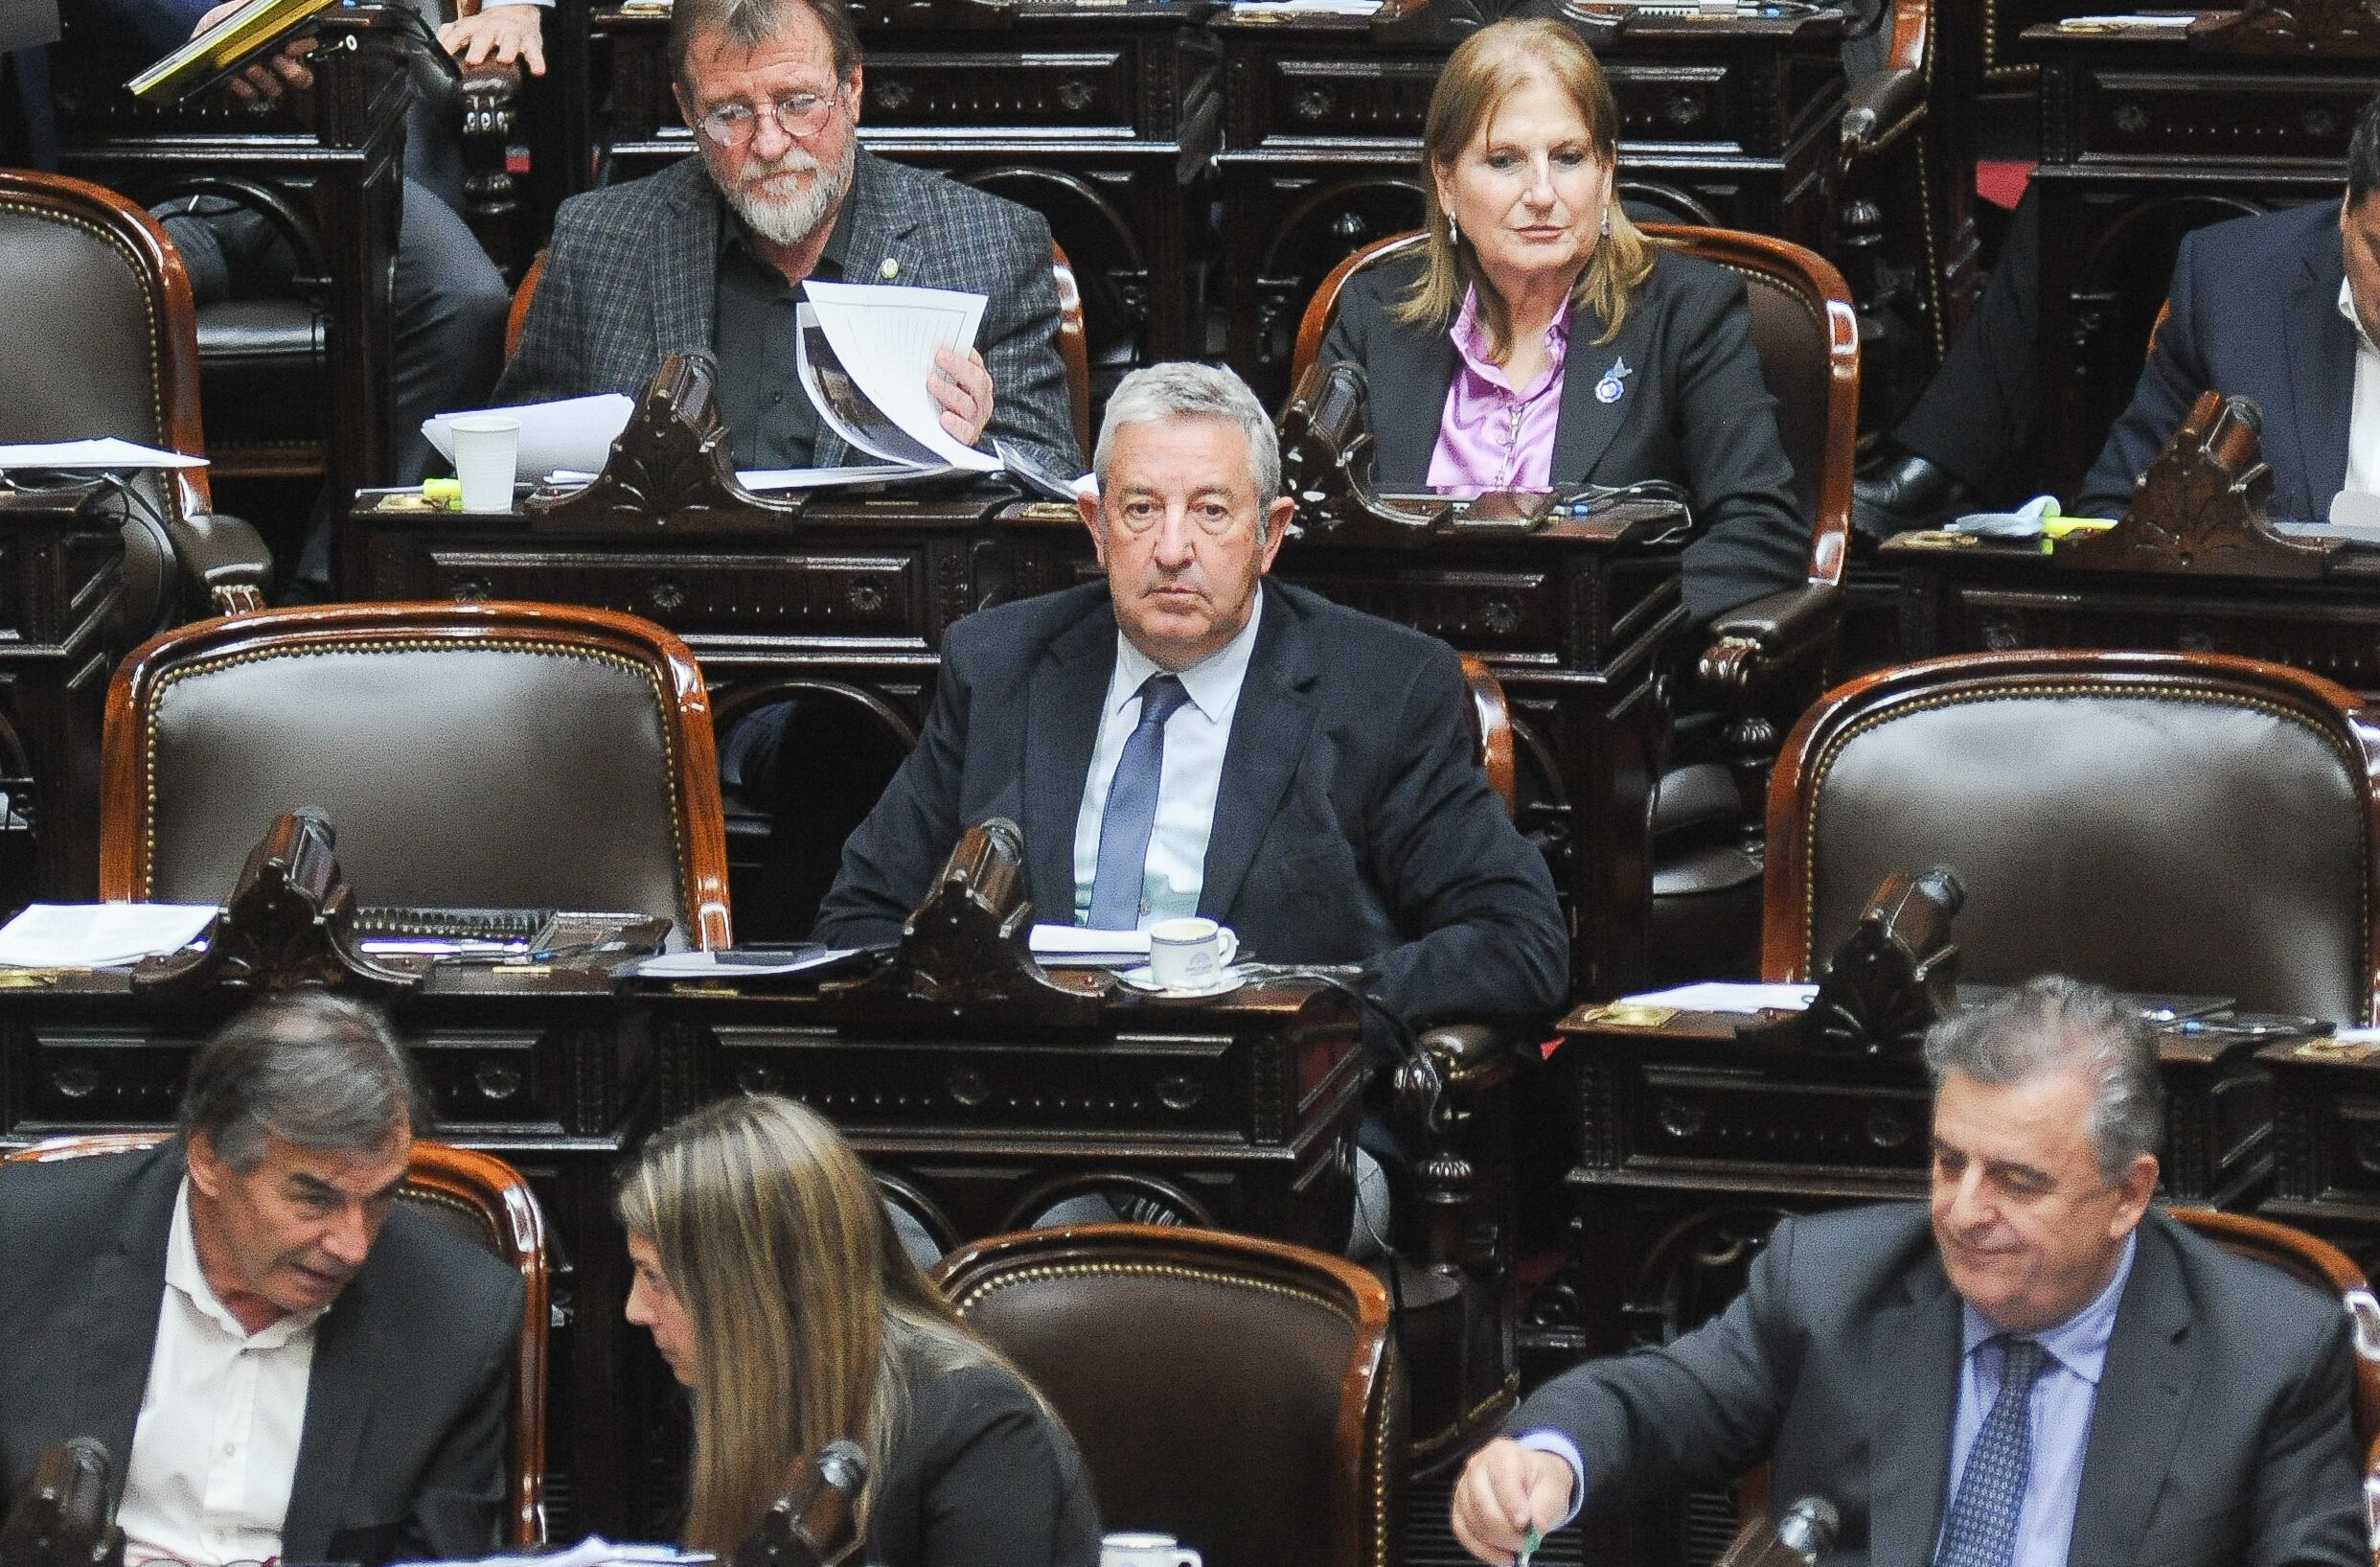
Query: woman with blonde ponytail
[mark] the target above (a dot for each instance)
(1538, 339)
(766, 1272)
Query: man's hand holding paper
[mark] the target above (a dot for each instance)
(963, 386)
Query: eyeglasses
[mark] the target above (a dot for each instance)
(801, 115)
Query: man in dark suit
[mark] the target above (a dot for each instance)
(1187, 737)
(711, 254)
(284, 1361)
(2047, 1373)
(2279, 308)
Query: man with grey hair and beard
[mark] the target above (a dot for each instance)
(1189, 738)
(2036, 1370)
(711, 255)
(285, 1363)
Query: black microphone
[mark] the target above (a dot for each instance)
(1942, 884)
(62, 1517)
(319, 819)
(815, 1522)
(1797, 1539)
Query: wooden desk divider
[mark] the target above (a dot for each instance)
(290, 921)
(1893, 978)
(968, 946)
(2200, 510)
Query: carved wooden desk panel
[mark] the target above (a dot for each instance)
(2146, 135)
(1692, 1143)
(2001, 597)
(1099, 117)
(1728, 124)
(2327, 1143)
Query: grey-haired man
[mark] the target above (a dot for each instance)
(284, 1361)
(2037, 1369)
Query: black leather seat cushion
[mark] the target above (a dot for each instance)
(465, 775)
(78, 353)
(2159, 843)
(263, 371)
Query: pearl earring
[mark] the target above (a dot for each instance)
(1607, 222)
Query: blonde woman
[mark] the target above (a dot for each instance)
(765, 1272)
(1538, 339)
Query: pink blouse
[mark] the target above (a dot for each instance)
(1490, 436)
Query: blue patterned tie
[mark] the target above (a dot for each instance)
(1983, 1528)
(1132, 809)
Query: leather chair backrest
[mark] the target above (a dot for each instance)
(2165, 837)
(465, 774)
(79, 353)
(1211, 1401)
(1791, 338)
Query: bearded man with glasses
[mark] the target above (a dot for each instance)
(711, 254)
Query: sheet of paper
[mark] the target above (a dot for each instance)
(1728, 996)
(91, 935)
(576, 432)
(104, 453)
(762, 480)
(1057, 943)
(592, 1552)
(2094, 24)
(711, 965)
(885, 337)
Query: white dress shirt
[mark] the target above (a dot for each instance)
(2363, 453)
(1196, 738)
(216, 1448)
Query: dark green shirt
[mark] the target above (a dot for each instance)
(759, 392)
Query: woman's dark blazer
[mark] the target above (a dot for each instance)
(981, 1476)
(1694, 411)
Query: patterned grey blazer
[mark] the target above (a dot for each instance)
(632, 277)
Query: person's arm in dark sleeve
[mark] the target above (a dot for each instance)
(458, 1509)
(891, 856)
(1018, 340)
(2307, 1507)
(550, 361)
(1452, 865)
(1011, 1493)
(2170, 382)
(1750, 538)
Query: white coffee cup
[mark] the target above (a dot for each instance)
(1190, 952)
(487, 451)
(1146, 1550)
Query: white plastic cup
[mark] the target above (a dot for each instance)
(1145, 1550)
(1190, 952)
(487, 451)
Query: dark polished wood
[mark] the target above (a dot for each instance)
(335, 157)
(1099, 117)
(2147, 134)
(1723, 123)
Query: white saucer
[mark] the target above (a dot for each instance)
(1140, 978)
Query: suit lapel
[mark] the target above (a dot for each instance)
(879, 232)
(2145, 1386)
(1407, 402)
(338, 1403)
(1063, 700)
(1269, 731)
(1588, 423)
(127, 1288)
(2321, 377)
(683, 281)
(1908, 1459)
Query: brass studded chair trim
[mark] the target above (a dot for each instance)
(1366, 1463)
(484, 1197)
(2166, 822)
(527, 743)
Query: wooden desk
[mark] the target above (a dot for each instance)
(1999, 597)
(1101, 117)
(338, 152)
(848, 603)
(2327, 1143)
(1729, 124)
(2146, 135)
(1242, 1112)
(1693, 1143)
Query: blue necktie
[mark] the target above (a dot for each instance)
(1132, 809)
(1983, 1528)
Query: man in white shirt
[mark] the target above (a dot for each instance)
(1189, 737)
(285, 1363)
(2283, 307)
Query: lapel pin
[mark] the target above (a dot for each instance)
(888, 270)
(1609, 388)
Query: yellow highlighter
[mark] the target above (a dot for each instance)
(447, 492)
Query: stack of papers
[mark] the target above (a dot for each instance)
(732, 964)
(1727, 996)
(594, 1550)
(1075, 946)
(575, 433)
(91, 935)
(105, 453)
